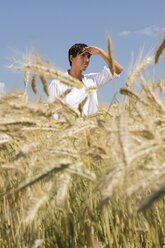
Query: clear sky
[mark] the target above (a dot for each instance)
(53, 26)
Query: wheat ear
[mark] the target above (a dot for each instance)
(38, 59)
(110, 57)
(161, 85)
(63, 187)
(137, 70)
(34, 84)
(26, 76)
(53, 74)
(152, 198)
(159, 51)
(124, 136)
(34, 210)
(133, 94)
(156, 101)
(30, 181)
(67, 108)
(66, 92)
(81, 105)
(45, 84)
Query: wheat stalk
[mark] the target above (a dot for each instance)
(159, 51)
(144, 151)
(137, 70)
(152, 96)
(38, 243)
(26, 76)
(67, 108)
(131, 93)
(115, 181)
(53, 74)
(80, 129)
(45, 84)
(161, 85)
(81, 105)
(4, 138)
(63, 186)
(33, 84)
(30, 181)
(107, 183)
(110, 57)
(81, 172)
(33, 211)
(38, 59)
(66, 92)
(91, 89)
(10, 167)
(152, 198)
(124, 136)
(145, 183)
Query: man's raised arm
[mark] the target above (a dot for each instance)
(98, 51)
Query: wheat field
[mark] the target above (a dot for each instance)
(96, 181)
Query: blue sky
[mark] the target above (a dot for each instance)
(52, 27)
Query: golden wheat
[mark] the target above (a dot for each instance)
(65, 93)
(152, 198)
(159, 51)
(129, 92)
(91, 89)
(161, 85)
(33, 84)
(45, 84)
(111, 63)
(153, 97)
(84, 177)
(124, 135)
(32, 212)
(26, 76)
(38, 59)
(63, 188)
(137, 70)
(53, 74)
(81, 105)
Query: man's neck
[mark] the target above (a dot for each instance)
(75, 73)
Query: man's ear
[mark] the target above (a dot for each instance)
(71, 58)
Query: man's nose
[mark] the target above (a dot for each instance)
(87, 59)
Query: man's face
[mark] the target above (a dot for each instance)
(81, 61)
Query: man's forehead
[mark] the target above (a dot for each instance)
(85, 53)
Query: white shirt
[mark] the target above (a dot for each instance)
(76, 96)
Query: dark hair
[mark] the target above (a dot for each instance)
(75, 49)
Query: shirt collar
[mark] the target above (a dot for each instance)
(67, 72)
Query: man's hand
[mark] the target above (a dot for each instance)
(93, 50)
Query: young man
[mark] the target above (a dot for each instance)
(79, 57)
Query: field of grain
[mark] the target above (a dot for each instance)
(96, 181)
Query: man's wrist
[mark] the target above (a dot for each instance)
(101, 51)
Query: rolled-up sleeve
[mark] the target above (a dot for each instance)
(105, 76)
